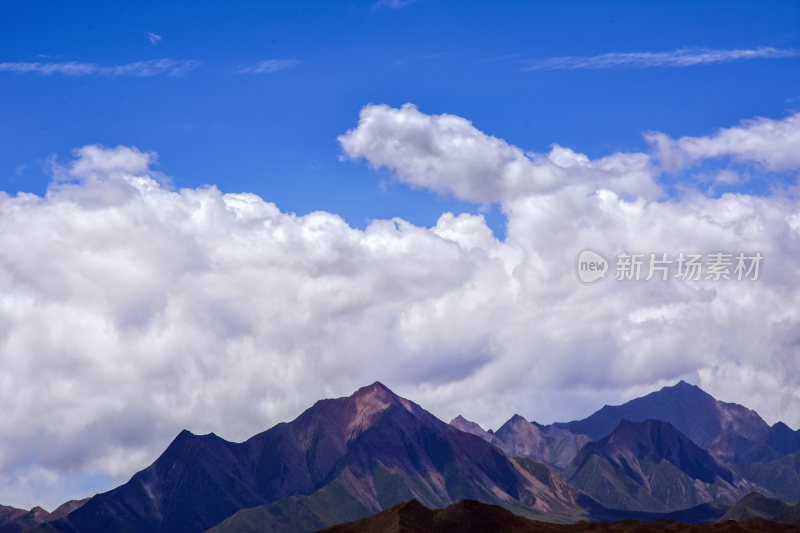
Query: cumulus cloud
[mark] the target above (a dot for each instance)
(448, 154)
(130, 310)
(683, 57)
(268, 66)
(774, 144)
(140, 69)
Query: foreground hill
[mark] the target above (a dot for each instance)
(474, 517)
(756, 505)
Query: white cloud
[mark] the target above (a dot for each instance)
(775, 144)
(683, 57)
(141, 69)
(448, 154)
(268, 66)
(129, 310)
(154, 38)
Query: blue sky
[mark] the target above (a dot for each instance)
(274, 134)
(502, 138)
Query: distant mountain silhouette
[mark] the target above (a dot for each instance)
(728, 431)
(14, 520)
(756, 505)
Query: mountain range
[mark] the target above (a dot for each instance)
(728, 431)
(676, 453)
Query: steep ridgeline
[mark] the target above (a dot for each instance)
(340, 460)
(651, 466)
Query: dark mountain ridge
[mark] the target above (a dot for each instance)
(471, 516)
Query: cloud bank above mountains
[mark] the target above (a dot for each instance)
(129, 310)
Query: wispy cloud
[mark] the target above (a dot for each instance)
(154, 38)
(140, 69)
(268, 66)
(684, 57)
(392, 4)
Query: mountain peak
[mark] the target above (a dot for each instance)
(370, 402)
(181, 439)
(468, 426)
(375, 388)
(682, 387)
(375, 394)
